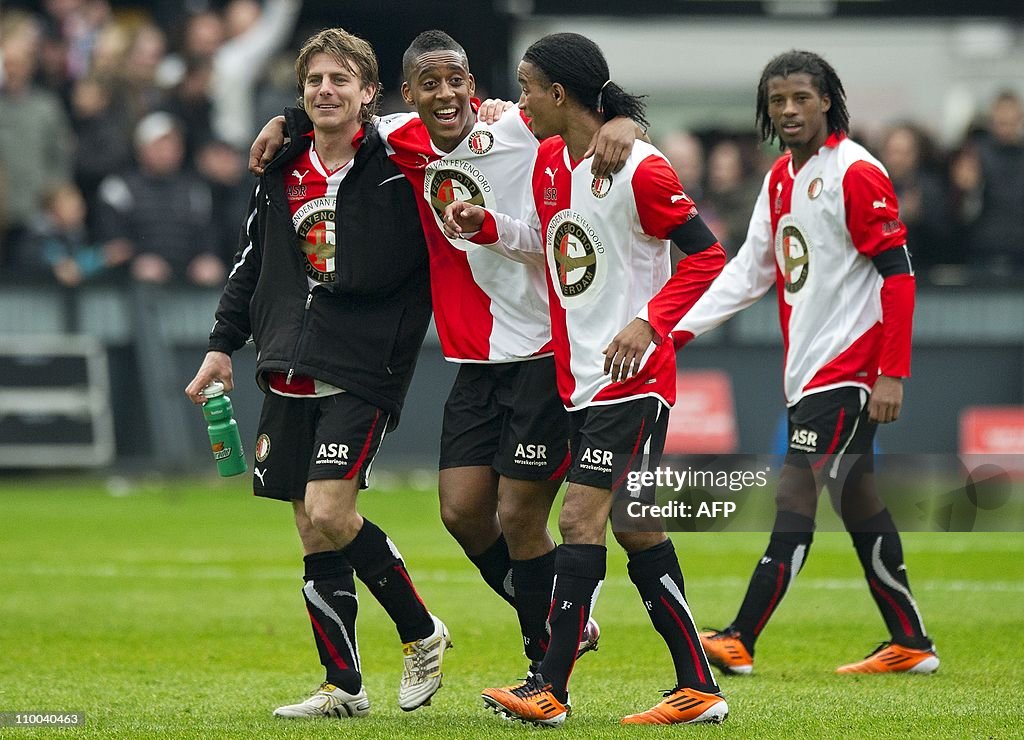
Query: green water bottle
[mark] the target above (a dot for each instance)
(223, 431)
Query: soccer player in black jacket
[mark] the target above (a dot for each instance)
(331, 281)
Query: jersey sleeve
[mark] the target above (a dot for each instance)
(897, 325)
(872, 213)
(232, 326)
(664, 211)
(394, 132)
(746, 278)
(661, 204)
(515, 239)
(693, 275)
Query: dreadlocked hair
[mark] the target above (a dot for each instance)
(433, 40)
(577, 64)
(795, 62)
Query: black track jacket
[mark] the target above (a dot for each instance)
(362, 332)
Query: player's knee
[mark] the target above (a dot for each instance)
(307, 532)
(797, 492)
(464, 513)
(519, 517)
(312, 539)
(338, 524)
(474, 530)
(578, 525)
(796, 502)
(639, 541)
(455, 516)
(855, 505)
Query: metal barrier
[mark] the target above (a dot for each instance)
(54, 403)
(969, 350)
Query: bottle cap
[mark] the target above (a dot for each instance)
(214, 389)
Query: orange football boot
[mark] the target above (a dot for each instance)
(725, 650)
(683, 707)
(530, 701)
(892, 658)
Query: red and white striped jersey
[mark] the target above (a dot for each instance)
(312, 192)
(813, 234)
(605, 244)
(486, 308)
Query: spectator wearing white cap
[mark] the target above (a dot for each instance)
(163, 209)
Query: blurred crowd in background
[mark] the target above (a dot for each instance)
(124, 143)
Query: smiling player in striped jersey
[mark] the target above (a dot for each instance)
(605, 243)
(826, 232)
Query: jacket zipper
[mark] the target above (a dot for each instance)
(302, 330)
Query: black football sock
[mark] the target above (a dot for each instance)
(657, 576)
(495, 566)
(579, 570)
(330, 593)
(786, 554)
(379, 565)
(881, 555)
(532, 580)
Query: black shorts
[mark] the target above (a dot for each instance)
(508, 416)
(303, 439)
(830, 430)
(611, 441)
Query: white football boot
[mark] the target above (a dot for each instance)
(328, 701)
(421, 674)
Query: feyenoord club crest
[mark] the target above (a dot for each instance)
(574, 247)
(794, 254)
(814, 189)
(600, 186)
(314, 223)
(262, 447)
(448, 181)
(480, 142)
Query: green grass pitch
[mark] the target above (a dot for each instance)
(176, 611)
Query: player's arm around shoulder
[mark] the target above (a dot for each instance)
(613, 144)
(266, 145)
(493, 110)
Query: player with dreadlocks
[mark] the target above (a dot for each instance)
(826, 231)
(605, 242)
